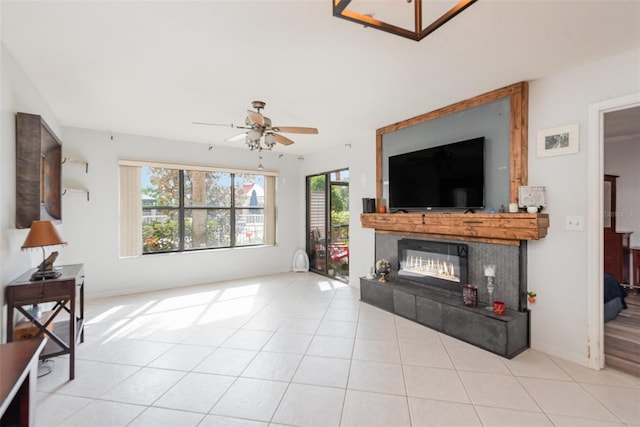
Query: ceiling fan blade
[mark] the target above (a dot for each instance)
(282, 139)
(294, 129)
(220, 124)
(212, 124)
(239, 137)
(255, 117)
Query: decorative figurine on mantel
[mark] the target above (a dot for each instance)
(370, 275)
(382, 268)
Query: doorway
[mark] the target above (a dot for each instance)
(595, 215)
(621, 156)
(328, 223)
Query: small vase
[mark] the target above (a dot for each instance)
(383, 277)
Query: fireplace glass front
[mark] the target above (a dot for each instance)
(439, 264)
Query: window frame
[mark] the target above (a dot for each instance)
(270, 218)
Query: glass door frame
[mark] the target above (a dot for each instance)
(315, 243)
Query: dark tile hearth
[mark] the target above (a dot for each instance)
(506, 335)
(438, 304)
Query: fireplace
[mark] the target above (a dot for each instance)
(421, 291)
(442, 265)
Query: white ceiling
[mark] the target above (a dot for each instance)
(622, 125)
(151, 68)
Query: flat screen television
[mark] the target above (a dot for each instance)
(446, 176)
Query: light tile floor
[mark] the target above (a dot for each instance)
(300, 349)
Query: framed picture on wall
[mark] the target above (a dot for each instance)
(558, 141)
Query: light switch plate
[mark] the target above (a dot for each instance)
(574, 223)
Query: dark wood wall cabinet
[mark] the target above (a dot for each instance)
(617, 255)
(635, 267)
(617, 252)
(38, 171)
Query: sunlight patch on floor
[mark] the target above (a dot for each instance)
(331, 285)
(104, 316)
(183, 301)
(227, 310)
(239, 292)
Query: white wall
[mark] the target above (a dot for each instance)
(92, 227)
(360, 159)
(557, 264)
(17, 94)
(622, 159)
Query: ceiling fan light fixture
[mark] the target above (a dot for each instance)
(254, 135)
(257, 126)
(253, 145)
(420, 30)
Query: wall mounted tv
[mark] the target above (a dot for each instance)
(443, 177)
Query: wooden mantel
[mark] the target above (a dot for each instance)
(500, 228)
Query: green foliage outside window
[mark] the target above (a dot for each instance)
(160, 236)
(164, 236)
(205, 208)
(340, 226)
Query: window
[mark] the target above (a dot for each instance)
(188, 208)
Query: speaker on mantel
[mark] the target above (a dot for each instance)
(368, 205)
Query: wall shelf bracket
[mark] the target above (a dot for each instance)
(82, 162)
(75, 190)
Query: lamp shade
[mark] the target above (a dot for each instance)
(42, 233)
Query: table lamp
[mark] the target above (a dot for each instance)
(42, 234)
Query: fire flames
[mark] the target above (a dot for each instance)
(430, 267)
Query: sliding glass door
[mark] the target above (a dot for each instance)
(328, 223)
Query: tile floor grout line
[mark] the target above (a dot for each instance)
(464, 386)
(290, 383)
(346, 386)
(279, 301)
(404, 378)
(604, 405)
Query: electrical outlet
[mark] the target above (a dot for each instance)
(574, 223)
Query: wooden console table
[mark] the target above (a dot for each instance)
(19, 362)
(67, 294)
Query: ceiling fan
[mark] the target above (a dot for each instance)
(257, 126)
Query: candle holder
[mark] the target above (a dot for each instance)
(490, 273)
